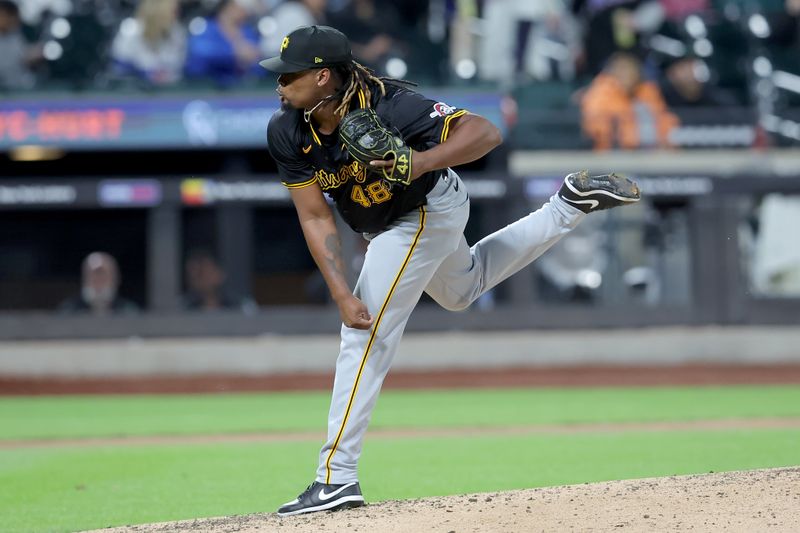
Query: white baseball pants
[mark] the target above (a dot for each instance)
(425, 250)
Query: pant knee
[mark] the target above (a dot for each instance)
(460, 306)
(454, 304)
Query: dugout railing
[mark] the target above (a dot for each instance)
(707, 204)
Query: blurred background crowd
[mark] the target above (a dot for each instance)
(160, 43)
(579, 75)
(607, 57)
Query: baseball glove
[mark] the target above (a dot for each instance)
(367, 139)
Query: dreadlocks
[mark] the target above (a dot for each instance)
(355, 77)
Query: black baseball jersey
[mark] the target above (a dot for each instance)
(366, 201)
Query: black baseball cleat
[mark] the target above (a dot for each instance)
(595, 193)
(322, 497)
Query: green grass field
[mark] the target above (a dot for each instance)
(69, 488)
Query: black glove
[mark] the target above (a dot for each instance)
(367, 139)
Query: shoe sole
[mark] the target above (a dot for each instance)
(346, 502)
(626, 190)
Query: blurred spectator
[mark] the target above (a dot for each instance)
(621, 110)
(526, 37)
(100, 281)
(288, 16)
(611, 26)
(16, 56)
(35, 12)
(573, 269)
(785, 26)
(776, 266)
(372, 32)
(205, 282)
(224, 47)
(410, 12)
(461, 21)
(77, 45)
(678, 10)
(684, 84)
(151, 46)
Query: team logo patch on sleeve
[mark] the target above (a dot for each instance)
(440, 109)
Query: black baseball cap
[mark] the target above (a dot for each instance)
(310, 47)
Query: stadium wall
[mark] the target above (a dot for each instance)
(275, 354)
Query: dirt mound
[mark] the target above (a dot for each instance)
(755, 500)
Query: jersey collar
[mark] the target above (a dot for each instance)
(362, 103)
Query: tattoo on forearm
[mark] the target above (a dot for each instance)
(333, 256)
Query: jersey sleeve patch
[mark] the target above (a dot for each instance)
(440, 109)
(421, 121)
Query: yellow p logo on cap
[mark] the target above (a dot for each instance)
(284, 43)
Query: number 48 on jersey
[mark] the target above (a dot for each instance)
(375, 193)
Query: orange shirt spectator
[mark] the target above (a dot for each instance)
(621, 110)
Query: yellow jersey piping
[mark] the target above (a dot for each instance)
(314, 134)
(371, 341)
(447, 120)
(300, 185)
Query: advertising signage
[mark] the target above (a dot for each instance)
(166, 121)
(131, 123)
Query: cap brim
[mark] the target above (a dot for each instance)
(276, 64)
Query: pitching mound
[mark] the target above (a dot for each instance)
(757, 500)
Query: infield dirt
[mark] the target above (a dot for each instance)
(755, 500)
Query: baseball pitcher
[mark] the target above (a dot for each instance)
(383, 153)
